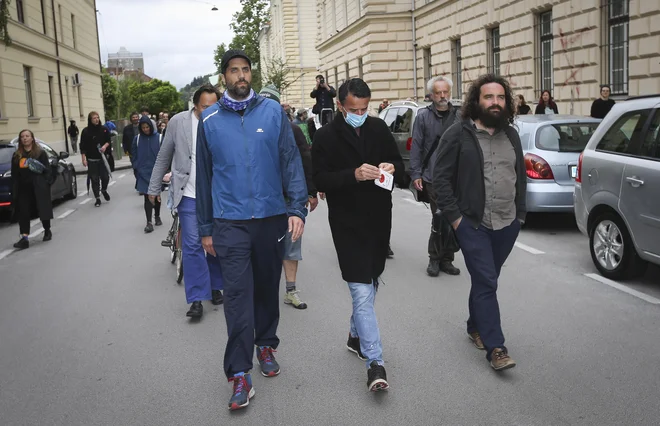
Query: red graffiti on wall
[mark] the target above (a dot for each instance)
(511, 57)
(572, 79)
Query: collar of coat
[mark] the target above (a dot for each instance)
(450, 109)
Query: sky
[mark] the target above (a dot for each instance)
(176, 37)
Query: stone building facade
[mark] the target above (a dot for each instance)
(33, 95)
(290, 37)
(569, 47)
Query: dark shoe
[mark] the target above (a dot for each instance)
(22, 244)
(216, 297)
(449, 269)
(433, 270)
(106, 196)
(353, 345)
(500, 360)
(158, 221)
(97, 203)
(269, 367)
(48, 235)
(196, 310)
(390, 253)
(242, 393)
(149, 228)
(377, 378)
(476, 340)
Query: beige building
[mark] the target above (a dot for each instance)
(34, 93)
(290, 36)
(566, 46)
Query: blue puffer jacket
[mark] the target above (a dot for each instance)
(245, 163)
(144, 152)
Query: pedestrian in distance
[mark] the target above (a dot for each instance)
(604, 104)
(94, 141)
(293, 249)
(480, 186)
(31, 176)
(202, 276)
(246, 158)
(521, 106)
(324, 94)
(145, 151)
(349, 155)
(73, 132)
(430, 125)
(546, 104)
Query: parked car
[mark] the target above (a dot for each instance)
(552, 145)
(64, 183)
(400, 117)
(617, 190)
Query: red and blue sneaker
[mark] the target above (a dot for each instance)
(243, 391)
(269, 367)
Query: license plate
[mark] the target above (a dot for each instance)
(573, 172)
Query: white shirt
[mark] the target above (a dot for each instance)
(189, 191)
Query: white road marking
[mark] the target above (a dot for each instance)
(121, 176)
(6, 253)
(35, 233)
(66, 213)
(85, 201)
(623, 288)
(80, 194)
(528, 249)
(34, 222)
(112, 183)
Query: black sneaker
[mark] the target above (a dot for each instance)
(48, 235)
(149, 228)
(106, 196)
(97, 203)
(353, 345)
(433, 270)
(269, 367)
(377, 378)
(22, 244)
(216, 297)
(449, 269)
(158, 221)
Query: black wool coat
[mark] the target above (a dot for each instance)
(41, 184)
(360, 213)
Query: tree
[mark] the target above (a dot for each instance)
(157, 95)
(4, 19)
(187, 91)
(110, 95)
(217, 56)
(277, 74)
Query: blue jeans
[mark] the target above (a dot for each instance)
(485, 251)
(364, 323)
(201, 273)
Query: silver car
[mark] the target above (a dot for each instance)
(617, 190)
(552, 145)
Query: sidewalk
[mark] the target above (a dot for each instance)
(76, 160)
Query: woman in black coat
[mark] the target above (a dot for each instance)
(31, 179)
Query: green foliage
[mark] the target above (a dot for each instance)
(157, 95)
(277, 74)
(110, 95)
(217, 56)
(4, 19)
(187, 91)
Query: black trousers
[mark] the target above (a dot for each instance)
(26, 206)
(149, 208)
(435, 239)
(98, 174)
(250, 254)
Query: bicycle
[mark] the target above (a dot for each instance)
(173, 241)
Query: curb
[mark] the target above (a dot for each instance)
(83, 171)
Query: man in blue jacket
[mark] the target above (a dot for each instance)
(246, 157)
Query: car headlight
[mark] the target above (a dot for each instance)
(7, 174)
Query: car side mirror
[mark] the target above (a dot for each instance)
(64, 155)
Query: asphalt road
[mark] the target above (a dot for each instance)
(93, 332)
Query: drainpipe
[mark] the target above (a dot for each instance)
(59, 77)
(414, 46)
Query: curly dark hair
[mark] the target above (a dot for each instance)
(471, 106)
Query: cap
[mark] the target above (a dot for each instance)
(270, 91)
(231, 54)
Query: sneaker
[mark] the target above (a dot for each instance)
(22, 244)
(293, 299)
(48, 235)
(149, 228)
(106, 196)
(97, 203)
(433, 270)
(476, 340)
(353, 345)
(269, 367)
(243, 391)
(377, 378)
(158, 221)
(449, 269)
(500, 360)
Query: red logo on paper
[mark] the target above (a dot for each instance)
(382, 178)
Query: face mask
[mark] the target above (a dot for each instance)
(355, 120)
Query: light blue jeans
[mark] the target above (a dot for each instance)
(364, 323)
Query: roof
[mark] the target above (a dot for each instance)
(542, 118)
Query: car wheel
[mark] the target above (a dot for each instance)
(73, 187)
(612, 249)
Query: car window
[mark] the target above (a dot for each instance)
(625, 132)
(390, 116)
(650, 147)
(403, 121)
(51, 153)
(568, 137)
(6, 152)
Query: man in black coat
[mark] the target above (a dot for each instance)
(323, 93)
(348, 156)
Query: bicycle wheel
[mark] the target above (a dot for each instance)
(175, 242)
(179, 258)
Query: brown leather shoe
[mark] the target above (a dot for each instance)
(476, 340)
(500, 360)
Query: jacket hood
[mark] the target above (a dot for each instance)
(146, 119)
(92, 125)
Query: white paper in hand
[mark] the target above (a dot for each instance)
(386, 180)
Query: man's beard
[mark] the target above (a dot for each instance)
(239, 92)
(493, 120)
(444, 103)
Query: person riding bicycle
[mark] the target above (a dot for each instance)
(202, 274)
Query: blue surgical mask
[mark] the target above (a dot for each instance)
(355, 120)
